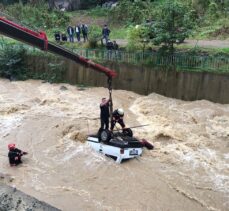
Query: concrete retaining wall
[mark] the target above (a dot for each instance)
(145, 80)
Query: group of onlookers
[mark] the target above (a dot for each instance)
(83, 29)
(77, 30)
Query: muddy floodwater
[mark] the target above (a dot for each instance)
(187, 170)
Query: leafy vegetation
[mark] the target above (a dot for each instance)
(94, 36)
(172, 26)
(130, 12)
(54, 74)
(39, 17)
(12, 62)
(138, 38)
(98, 12)
(199, 19)
(209, 17)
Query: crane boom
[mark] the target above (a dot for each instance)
(39, 40)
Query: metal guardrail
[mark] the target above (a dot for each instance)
(207, 63)
(180, 61)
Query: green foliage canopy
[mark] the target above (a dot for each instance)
(38, 17)
(12, 62)
(173, 24)
(128, 11)
(94, 36)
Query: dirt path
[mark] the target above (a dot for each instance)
(208, 43)
(193, 43)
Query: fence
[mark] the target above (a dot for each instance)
(182, 62)
(204, 63)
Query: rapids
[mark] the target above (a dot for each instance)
(187, 170)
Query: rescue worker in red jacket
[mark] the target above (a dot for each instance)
(15, 155)
(117, 117)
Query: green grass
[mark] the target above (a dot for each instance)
(118, 32)
(212, 29)
(96, 12)
(200, 50)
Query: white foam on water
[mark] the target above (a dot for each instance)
(75, 151)
(69, 150)
(9, 123)
(83, 151)
(215, 167)
(95, 158)
(188, 134)
(226, 156)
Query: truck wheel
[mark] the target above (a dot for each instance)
(128, 132)
(105, 135)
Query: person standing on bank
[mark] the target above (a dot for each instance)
(78, 31)
(105, 34)
(70, 32)
(115, 48)
(104, 113)
(85, 32)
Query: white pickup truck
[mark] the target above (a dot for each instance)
(119, 146)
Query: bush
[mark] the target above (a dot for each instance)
(137, 38)
(12, 62)
(39, 16)
(130, 11)
(94, 36)
(53, 75)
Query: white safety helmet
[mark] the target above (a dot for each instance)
(120, 111)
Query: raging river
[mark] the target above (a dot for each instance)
(187, 170)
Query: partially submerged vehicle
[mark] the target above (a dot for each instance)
(118, 145)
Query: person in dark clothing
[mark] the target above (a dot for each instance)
(70, 31)
(115, 45)
(57, 36)
(15, 155)
(117, 116)
(104, 113)
(78, 31)
(64, 37)
(85, 32)
(109, 47)
(115, 48)
(105, 34)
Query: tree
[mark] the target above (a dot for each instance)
(200, 6)
(138, 37)
(130, 11)
(94, 36)
(172, 25)
(12, 62)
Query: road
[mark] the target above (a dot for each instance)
(193, 43)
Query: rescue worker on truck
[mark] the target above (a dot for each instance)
(15, 155)
(117, 116)
(104, 113)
